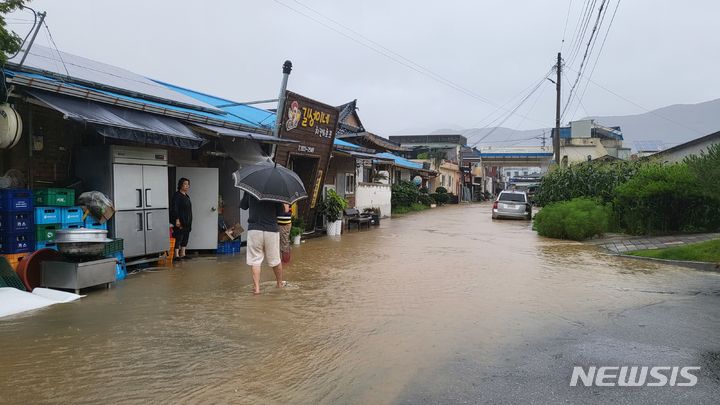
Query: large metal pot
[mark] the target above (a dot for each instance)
(81, 242)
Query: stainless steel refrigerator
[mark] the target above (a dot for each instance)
(136, 180)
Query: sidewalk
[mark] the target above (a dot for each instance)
(621, 244)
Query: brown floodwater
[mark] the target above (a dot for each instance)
(362, 315)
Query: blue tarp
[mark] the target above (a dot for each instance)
(340, 142)
(400, 161)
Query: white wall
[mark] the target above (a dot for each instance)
(368, 195)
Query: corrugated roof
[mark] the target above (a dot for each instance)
(401, 161)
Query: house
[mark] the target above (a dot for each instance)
(586, 140)
(680, 152)
(99, 127)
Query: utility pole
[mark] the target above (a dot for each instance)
(287, 68)
(556, 138)
(37, 29)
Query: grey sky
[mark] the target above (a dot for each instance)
(657, 53)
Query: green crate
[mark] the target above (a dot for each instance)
(55, 197)
(46, 232)
(113, 247)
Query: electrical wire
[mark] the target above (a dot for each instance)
(386, 52)
(643, 108)
(28, 34)
(567, 18)
(602, 45)
(586, 54)
(56, 48)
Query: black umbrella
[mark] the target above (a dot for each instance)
(270, 182)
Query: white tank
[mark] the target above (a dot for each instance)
(10, 126)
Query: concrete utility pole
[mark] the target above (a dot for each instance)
(32, 40)
(287, 68)
(556, 138)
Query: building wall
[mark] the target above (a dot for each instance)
(680, 154)
(339, 167)
(369, 195)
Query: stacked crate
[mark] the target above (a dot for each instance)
(54, 210)
(17, 234)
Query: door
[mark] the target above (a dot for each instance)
(130, 226)
(127, 187)
(155, 185)
(157, 230)
(204, 191)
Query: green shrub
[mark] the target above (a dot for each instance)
(426, 199)
(666, 199)
(441, 190)
(440, 198)
(410, 208)
(404, 194)
(577, 219)
(295, 231)
(706, 169)
(588, 179)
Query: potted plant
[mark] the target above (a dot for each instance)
(332, 209)
(295, 234)
(298, 227)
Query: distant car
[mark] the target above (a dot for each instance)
(512, 204)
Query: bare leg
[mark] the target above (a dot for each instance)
(177, 253)
(182, 252)
(278, 270)
(256, 279)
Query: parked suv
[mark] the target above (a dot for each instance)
(512, 204)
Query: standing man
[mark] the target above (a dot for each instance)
(263, 237)
(181, 217)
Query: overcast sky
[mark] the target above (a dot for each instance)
(657, 53)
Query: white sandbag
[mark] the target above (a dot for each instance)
(55, 295)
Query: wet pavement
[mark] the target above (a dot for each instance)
(620, 244)
(443, 306)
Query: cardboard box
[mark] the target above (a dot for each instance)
(231, 233)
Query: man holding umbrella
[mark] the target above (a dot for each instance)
(267, 186)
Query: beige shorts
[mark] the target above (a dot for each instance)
(262, 245)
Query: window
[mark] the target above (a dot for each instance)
(508, 174)
(525, 173)
(514, 197)
(442, 180)
(398, 176)
(517, 174)
(349, 183)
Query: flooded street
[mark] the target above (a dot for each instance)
(441, 306)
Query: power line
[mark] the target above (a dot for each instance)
(582, 26)
(643, 108)
(586, 54)
(567, 18)
(388, 53)
(602, 45)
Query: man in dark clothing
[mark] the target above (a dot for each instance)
(263, 237)
(181, 218)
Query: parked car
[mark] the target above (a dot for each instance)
(512, 204)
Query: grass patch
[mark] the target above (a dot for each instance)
(708, 251)
(404, 209)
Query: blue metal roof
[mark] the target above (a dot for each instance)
(248, 114)
(235, 115)
(400, 161)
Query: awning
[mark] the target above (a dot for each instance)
(121, 123)
(234, 133)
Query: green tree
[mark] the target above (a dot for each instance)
(10, 42)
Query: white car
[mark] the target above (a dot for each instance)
(512, 204)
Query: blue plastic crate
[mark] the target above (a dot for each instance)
(16, 199)
(16, 221)
(47, 215)
(71, 215)
(46, 245)
(92, 223)
(20, 242)
(229, 247)
(74, 225)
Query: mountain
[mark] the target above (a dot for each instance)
(669, 126)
